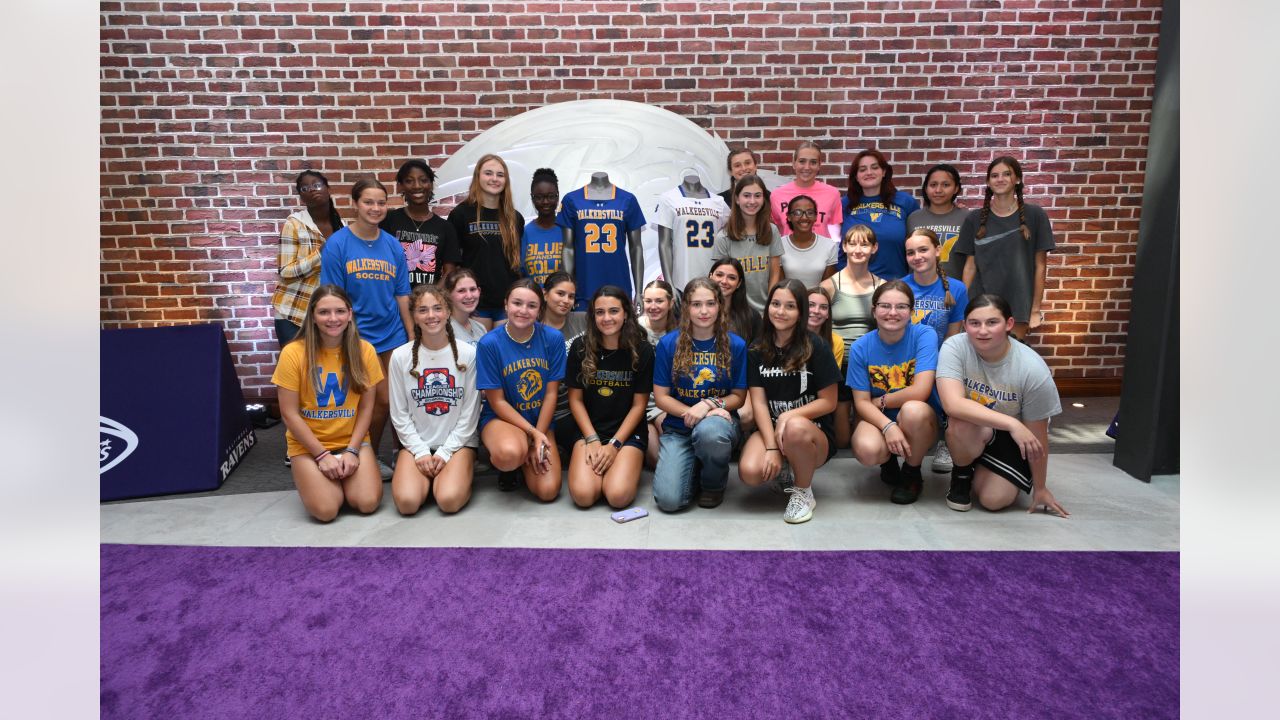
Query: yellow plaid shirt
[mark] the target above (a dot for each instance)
(299, 263)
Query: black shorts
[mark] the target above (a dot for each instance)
(567, 433)
(1002, 457)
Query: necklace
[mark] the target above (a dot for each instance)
(417, 226)
(507, 327)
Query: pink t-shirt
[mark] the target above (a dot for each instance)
(826, 196)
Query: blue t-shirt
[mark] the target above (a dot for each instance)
(890, 226)
(374, 275)
(540, 251)
(703, 379)
(931, 304)
(600, 230)
(521, 370)
(879, 368)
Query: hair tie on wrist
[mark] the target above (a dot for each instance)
(888, 425)
(321, 456)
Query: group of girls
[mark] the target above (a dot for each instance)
(770, 273)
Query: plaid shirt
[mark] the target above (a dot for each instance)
(299, 261)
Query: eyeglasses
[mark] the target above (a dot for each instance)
(312, 187)
(803, 213)
(902, 307)
(547, 196)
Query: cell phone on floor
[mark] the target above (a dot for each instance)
(628, 515)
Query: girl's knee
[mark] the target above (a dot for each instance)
(451, 502)
(407, 503)
(324, 512)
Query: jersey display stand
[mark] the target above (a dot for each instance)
(172, 416)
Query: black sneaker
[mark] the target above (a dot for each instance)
(908, 490)
(507, 480)
(710, 498)
(960, 496)
(890, 474)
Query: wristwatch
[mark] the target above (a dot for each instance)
(616, 443)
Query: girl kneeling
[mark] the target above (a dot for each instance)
(325, 376)
(891, 373)
(999, 396)
(792, 377)
(610, 375)
(434, 408)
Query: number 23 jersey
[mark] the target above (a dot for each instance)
(694, 223)
(600, 230)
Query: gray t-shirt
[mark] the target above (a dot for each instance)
(809, 264)
(575, 324)
(1020, 385)
(1006, 261)
(947, 227)
(755, 261)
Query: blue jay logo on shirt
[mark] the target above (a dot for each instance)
(530, 384)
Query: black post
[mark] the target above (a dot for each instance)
(1147, 438)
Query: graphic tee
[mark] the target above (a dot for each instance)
(947, 228)
(889, 223)
(610, 392)
(541, 251)
(480, 239)
(790, 389)
(326, 400)
(1006, 262)
(374, 274)
(931, 304)
(830, 213)
(600, 229)
(436, 412)
(755, 262)
(520, 370)
(1018, 385)
(694, 223)
(427, 244)
(878, 368)
(704, 378)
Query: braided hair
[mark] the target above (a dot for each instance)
(946, 282)
(1016, 167)
(438, 293)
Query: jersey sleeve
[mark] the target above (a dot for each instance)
(450, 250)
(1039, 393)
(565, 218)
(644, 369)
(664, 214)
(968, 233)
(961, 295)
(833, 253)
(720, 247)
(754, 378)
(775, 246)
(633, 216)
(1042, 231)
(402, 270)
(331, 270)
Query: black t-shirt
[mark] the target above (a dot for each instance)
(789, 390)
(727, 196)
(481, 243)
(609, 394)
(439, 244)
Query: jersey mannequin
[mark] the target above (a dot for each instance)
(691, 184)
(600, 188)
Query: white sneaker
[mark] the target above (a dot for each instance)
(784, 480)
(942, 459)
(800, 506)
(384, 470)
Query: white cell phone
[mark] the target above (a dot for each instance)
(629, 515)
(545, 454)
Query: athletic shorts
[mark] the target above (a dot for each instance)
(494, 314)
(567, 433)
(1002, 457)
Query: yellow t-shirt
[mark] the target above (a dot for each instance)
(327, 403)
(837, 348)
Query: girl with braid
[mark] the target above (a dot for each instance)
(434, 408)
(939, 303)
(1005, 244)
(699, 381)
(609, 375)
(464, 294)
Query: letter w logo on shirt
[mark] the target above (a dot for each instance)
(333, 392)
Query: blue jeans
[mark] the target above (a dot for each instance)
(710, 444)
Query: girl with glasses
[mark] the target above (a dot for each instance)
(301, 239)
(806, 255)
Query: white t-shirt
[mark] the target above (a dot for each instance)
(809, 264)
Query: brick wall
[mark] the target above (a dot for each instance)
(210, 108)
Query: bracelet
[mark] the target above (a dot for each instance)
(353, 451)
(888, 425)
(590, 439)
(772, 449)
(320, 457)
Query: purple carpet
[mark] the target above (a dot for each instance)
(211, 632)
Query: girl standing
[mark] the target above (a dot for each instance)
(520, 366)
(323, 380)
(488, 228)
(806, 256)
(941, 214)
(873, 200)
(434, 408)
(699, 380)
(1006, 244)
(793, 379)
(806, 163)
(851, 313)
(542, 244)
(464, 294)
(891, 373)
(999, 396)
(749, 237)
(370, 266)
(610, 376)
(429, 242)
(301, 239)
